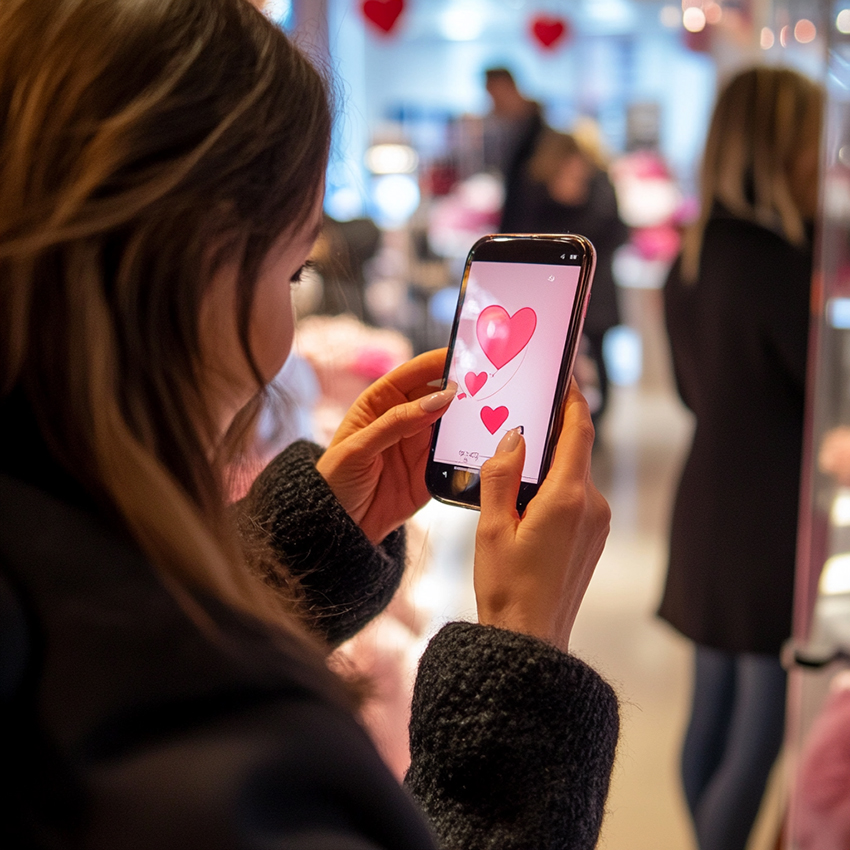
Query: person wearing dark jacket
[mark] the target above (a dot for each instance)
(165, 679)
(563, 190)
(736, 306)
(512, 128)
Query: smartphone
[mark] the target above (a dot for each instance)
(513, 344)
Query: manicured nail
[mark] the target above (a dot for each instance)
(510, 441)
(437, 401)
(437, 382)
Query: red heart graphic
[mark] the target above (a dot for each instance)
(383, 13)
(475, 382)
(549, 30)
(493, 419)
(501, 336)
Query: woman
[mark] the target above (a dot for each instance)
(737, 316)
(161, 172)
(567, 192)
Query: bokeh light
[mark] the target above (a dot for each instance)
(391, 158)
(670, 17)
(805, 31)
(693, 19)
(713, 13)
(395, 198)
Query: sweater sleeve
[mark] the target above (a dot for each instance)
(294, 527)
(512, 742)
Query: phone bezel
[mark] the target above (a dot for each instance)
(527, 248)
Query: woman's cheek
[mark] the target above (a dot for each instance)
(272, 330)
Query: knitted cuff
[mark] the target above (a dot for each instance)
(512, 741)
(345, 578)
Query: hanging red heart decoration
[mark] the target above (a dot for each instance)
(384, 14)
(550, 31)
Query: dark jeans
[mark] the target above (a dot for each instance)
(735, 733)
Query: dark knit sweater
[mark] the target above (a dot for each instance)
(346, 581)
(124, 724)
(511, 739)
(512, 742)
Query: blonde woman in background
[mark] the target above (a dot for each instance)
(737, 316)
(163, 655)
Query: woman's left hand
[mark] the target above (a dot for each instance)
(375, 463)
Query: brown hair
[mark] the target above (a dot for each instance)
(140, 135)
(499, 73)
(765, 118)
(551, 150)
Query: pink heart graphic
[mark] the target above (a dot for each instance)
(460, 396)
(493, 419)
(474, 382)
(501, 336)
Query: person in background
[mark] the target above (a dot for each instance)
(341, 254)
(511, 130)
(737, 315)
(164, 678)
(565, 191)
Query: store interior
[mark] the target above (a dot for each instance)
(409, 190)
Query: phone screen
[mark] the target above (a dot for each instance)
(506, 360)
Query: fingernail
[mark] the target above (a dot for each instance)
(510, 441)
(437, 382)
(437, 401)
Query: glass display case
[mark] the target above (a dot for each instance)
(818, 742)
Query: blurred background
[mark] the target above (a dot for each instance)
(420, 167)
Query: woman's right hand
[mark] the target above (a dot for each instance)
(531, 572)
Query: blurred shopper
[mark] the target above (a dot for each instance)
(737, 316)
(340, 257)
(511, 131)
(564, 190)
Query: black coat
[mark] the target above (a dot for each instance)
(738, 338)
(526, 134)
(125, 723)
(597, 218)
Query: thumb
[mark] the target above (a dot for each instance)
(501, 477)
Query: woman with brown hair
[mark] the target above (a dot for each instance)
(568, 191)
(737, 317)
(163, 655)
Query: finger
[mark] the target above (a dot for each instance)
(575, 442)
(413, 378)
(500, 479)
(403, 421)
(407, 382)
